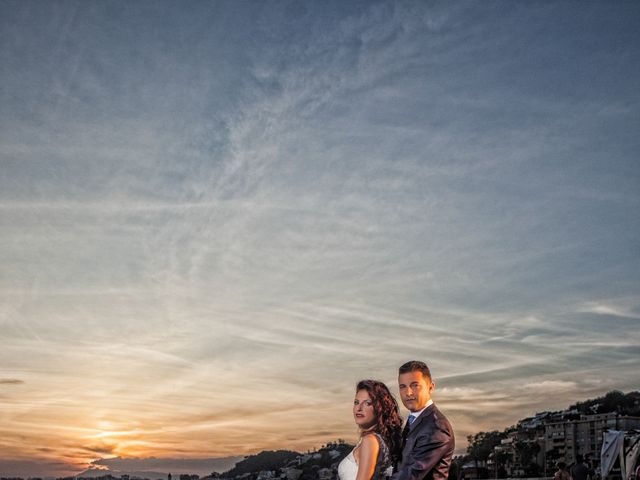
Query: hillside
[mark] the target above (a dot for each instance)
(614, 401)
(263, 461)
(291, 465)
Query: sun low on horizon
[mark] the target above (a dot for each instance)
(217, 217)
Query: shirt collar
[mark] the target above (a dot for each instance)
(419, 412)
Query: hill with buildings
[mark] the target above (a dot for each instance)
(614, 401)
(264, 461)
(319, 464)
(533, 446)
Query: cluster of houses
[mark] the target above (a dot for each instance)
(318, 465)
(534, 446)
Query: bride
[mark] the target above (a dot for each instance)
(376, 413)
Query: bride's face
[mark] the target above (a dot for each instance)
(363, 412)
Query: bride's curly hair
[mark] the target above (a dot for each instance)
(388, 420)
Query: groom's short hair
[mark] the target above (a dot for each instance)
(415, 366)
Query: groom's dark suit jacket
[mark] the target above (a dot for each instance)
(427, 448)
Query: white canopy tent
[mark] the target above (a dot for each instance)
(613, 446)
(632, 454)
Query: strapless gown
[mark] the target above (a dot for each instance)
(348, 468)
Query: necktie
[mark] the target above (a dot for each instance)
(405, 431)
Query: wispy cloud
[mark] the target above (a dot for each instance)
(10, 381)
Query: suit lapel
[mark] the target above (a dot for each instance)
(405, 432)
(421, 419)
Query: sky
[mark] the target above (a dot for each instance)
(217, 217)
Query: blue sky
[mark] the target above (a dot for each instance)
(216, 207)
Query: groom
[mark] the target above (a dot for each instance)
(427, 438)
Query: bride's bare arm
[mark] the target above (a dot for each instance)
(367, 457)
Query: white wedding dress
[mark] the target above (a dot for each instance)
(348, 468)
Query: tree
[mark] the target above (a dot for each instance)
(614, 401)
(481, 445)
(527, 451)
(501, 459)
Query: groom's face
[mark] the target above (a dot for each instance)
(415, 390)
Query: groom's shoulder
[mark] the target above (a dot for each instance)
(440, 420)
